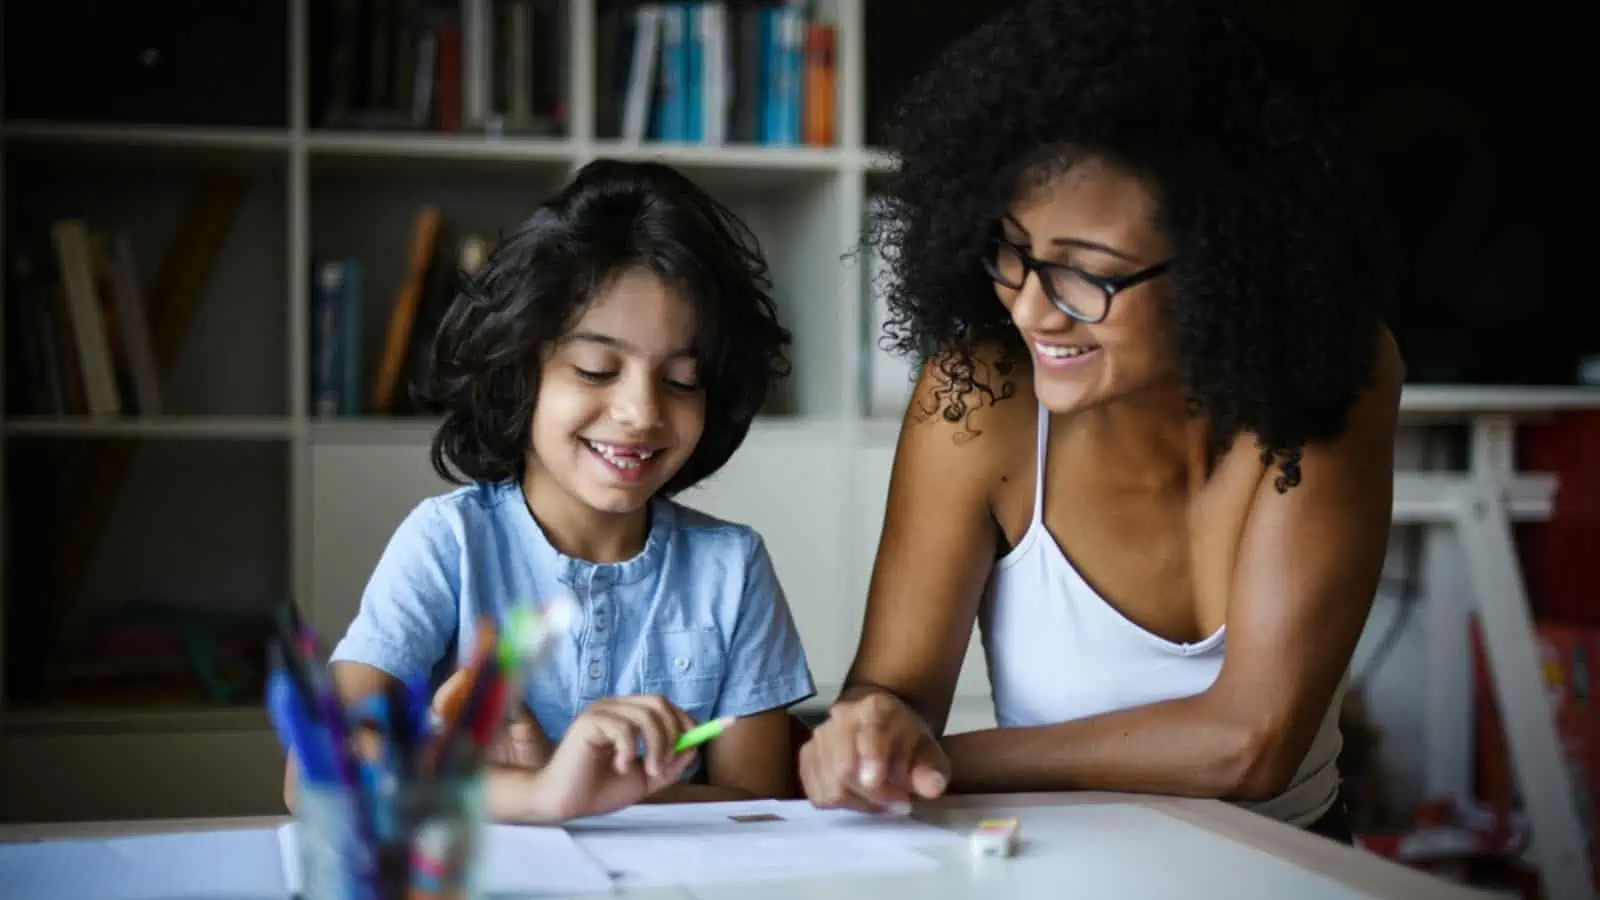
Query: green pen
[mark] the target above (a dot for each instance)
(699, 734)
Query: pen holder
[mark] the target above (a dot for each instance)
(418, 841)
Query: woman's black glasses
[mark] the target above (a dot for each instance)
(1077, 293)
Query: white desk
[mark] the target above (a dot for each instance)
(1479, 503)
(1088, 845)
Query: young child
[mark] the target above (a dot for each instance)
(608, 354)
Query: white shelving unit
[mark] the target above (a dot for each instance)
(240, 443)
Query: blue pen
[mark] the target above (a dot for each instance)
(381, 777)
(327, 720)
(298, 730)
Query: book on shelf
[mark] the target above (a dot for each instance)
(81, 333)
(86, 333)
(486, 66)
(714, 73)
(346, 379)
(336, 337)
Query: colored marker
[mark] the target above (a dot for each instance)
(699, 734)
(531, 631)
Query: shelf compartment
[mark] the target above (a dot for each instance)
(142, 573)
(218, 62)
(363, 225)
(771, 71)
(63, 776)
(208, 248)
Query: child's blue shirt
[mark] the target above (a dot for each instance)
(697, 616)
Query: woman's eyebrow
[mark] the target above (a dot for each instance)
(1091, 245)
(1081, 243)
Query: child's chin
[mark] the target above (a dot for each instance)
(616, 499)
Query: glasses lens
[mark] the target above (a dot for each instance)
(1004, 264)
(1073, 295)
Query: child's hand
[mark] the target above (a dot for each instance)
(519, 742)
(597, 769)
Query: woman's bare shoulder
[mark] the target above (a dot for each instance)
(980, 400)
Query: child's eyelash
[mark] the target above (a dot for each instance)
(587, 375)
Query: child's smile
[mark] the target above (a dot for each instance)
(629, 463)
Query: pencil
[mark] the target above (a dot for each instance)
(699, 734)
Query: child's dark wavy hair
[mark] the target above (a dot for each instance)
(483, 375)
(1284, 267)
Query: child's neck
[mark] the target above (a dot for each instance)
(580, 531)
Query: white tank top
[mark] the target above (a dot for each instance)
(1057, 651)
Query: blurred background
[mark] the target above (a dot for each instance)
(228, 229)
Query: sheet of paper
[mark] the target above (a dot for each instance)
(901, 831)
(519, 860)
(786, 815)
(528, 860)
(700, 843)
(221, 865)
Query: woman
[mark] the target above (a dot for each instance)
(1151, 453)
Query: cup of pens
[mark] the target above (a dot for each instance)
(401, 830)
(425, 843)
(389, 804)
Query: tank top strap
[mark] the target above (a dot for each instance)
(1042, 439)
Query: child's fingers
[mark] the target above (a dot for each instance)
(610, 732)
(655, 724)
(674, 768)
(685, 721)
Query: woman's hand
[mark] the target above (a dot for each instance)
(519, 741)
(597, 768)
(873, 754)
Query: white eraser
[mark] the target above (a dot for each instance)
(995, 837)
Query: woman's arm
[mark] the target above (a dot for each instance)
(939, 540)
(1308, 567)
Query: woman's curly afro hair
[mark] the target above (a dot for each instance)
(483, 376)
(1282, 271)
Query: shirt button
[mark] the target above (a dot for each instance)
(594, 670)
(599, 624)
(682, 663)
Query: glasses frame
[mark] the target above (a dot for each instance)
(1110, 285)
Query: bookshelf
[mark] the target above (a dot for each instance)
(239, 492)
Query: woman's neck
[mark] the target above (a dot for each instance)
(1151, 437)
(581, 531)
